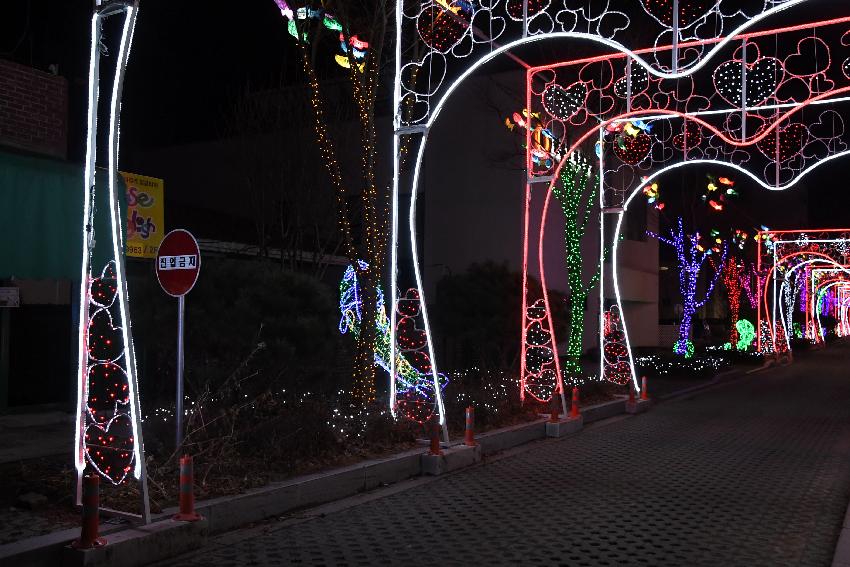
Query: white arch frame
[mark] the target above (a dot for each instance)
(423, 130)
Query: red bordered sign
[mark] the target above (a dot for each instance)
(178, 262)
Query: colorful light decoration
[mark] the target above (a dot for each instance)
(717, 191)
(692, 258)
(615, 354)
(653, 195)
(546, 24)
(784, 253)
(358, 50)
(108, 437)
(746, 334)
(732, 274)
(545, 148)
(414, 386)
(576, 202)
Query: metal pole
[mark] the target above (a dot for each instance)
(181, 304)
(676, 36)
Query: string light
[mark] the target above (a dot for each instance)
(732, 274)
(691, 261)
(577, 204)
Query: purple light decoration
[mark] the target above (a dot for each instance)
(748, 278)
(691, 261)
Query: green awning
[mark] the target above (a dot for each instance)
(41, 218)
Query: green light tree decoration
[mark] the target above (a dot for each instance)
(576, 193)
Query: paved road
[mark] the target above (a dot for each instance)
(752, 473)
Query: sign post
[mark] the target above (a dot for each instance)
(178, 263)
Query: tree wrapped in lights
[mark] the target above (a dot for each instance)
(576, 203)
(692, 258)
(732, 274)
(340, 21)
(414, 382)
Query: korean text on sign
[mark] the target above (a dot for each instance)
(186, 262)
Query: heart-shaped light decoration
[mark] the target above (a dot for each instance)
(563, 103)
(409, 336)
(536, 357)
(543, 385)
(763, 76)
(535, 7)
(107, 385)
(103, 289)
(632, 149)
(690, 137)
(536, 335)
(640, 82)
(103, 338)
(536, 310)
(442, 27)
(690, 11)
(791, 141)
(409, 305)
(109, 446)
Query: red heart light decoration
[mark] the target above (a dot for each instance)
(792, 139)
(420, 360)
(103, 289)
(634, 148)
(107, 385)
(690, 137)
(410, 337)
(535, 7)
(104, 339)
(109, 446)
(415, 405)
(440, 28)
(409, 305)
(690, 11)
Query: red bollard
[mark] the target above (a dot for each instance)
(187, 492)
(631, 392)
(435, 437)
(469, 434)
(91, 514)
(644, 394)
(574, 412)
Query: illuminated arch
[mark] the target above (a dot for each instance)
(421, 127)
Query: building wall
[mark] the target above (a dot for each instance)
(33, 110)
(472, 206)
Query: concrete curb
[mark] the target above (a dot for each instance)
(841, 557)
(165, 538)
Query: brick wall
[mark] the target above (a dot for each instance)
(33, 110)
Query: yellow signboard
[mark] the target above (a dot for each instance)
(145, 214)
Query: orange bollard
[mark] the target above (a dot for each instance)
(469, 435)
(187, 492)
(644, 394)
(631, 392)
(435, 437)
(91, 514)
(574, 411)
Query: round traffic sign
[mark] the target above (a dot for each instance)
(178, 262)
